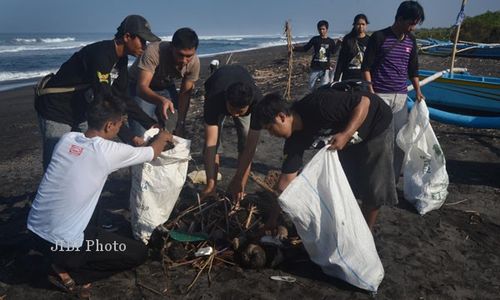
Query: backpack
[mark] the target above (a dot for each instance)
(350, 85)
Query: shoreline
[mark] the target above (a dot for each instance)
(450, 253)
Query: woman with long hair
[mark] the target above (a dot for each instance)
(352, 51)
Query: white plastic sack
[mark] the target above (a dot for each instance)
(424, 167)
(156, 186)
(330, 223)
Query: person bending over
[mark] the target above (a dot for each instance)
(357, 124)
(230, 91)
(153, 78)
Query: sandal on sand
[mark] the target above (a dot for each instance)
(68, 285)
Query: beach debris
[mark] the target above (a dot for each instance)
(142, 285)
(288, 33)
(200, 177)
(229, 58)
(271, 240)
(253, 257)
(205, 251)
(219, 231)
(185, 237)
(283, 278)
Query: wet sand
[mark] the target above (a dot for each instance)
(451, 253)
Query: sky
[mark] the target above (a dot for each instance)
(219, 17)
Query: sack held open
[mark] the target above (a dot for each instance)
(424, 168)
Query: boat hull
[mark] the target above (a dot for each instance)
(471, 94)
(462, 99)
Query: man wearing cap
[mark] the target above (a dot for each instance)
(153, 78)
(61, 100)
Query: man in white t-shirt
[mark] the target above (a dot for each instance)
(68, 194)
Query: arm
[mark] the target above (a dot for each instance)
(274, 213)
(342, 61)
(367, 76)
(160, 141)
(239, 181)
(413, 72)
(304, 48)
(369, 60)
(146, 93)
(185, 92)
(211, 166)
(357, 118)
(416, 85)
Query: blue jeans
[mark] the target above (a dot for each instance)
(150, 109)
(51, 132)
(323, 75)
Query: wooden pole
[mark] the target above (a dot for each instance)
(455, 43)
(288, 33)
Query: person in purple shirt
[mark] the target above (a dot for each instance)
(390, 59)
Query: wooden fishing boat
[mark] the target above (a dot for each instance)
(461, 99)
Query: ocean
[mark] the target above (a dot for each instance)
(25, 57)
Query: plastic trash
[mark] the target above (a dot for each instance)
(271, 241)
(283, 278)
(187, 237)
(205, 251)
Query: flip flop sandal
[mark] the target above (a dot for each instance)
(69, 285)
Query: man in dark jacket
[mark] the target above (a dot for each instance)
(61, 100)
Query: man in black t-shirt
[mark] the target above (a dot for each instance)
(61, 100)
(324, 48)
(230, 91)
(357, 124)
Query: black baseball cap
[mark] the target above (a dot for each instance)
(137, 25)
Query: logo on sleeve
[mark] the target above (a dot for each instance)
(103, 77)
(75, 150)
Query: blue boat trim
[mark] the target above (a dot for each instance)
(460, 120)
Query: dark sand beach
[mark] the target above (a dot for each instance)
(451, 253)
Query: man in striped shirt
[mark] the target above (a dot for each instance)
(390, 59)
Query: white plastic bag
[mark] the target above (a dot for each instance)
(156, 186)
(330, 223)
(424, 167)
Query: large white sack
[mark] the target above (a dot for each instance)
(424, 169)
(330, 223)
(156, 186)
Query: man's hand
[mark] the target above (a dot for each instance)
(237, 189)
(165, 136)
(339, 141)
(165, 107)
(208, 192)
(137, 141)
(419, 95)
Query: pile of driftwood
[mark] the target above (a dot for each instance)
(218, 231)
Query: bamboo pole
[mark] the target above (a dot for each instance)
(288, 33)
(464, 2)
